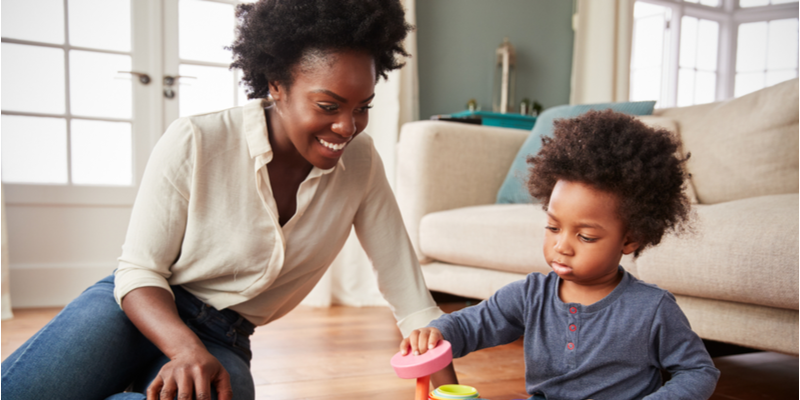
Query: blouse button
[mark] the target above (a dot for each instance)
(573, 310)
(572, 328)
(571, 346)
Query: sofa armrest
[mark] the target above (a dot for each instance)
(447, 165)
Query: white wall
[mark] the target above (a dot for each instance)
(55, 252)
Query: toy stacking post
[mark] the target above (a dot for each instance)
(422, 366)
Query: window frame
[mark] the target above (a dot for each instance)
(729, 16)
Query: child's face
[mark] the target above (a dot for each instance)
(585, 238)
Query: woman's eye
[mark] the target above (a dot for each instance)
(365, 108)
(328, 107)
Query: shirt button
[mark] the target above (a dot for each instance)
(572, 328)
(573, 310)
(571, 346)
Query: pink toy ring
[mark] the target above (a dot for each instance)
(411, 366)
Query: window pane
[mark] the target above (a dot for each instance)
(782, 48)
(707, 38)
(685, 87)
(648, 41)
(783, 1)
(710, 3)
(33, 79)
(204, 29)
(752, 3)
(214, 89)
(688, 42)
(34, 149)
(751, 50)
(38, 21)
(97, 89)
(748, 82)
(242, 96)
(646, 84)
(774, 77)
(111, 17)
(101, 152)
(641, 10)
(705, 87)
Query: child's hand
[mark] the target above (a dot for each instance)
(421, 340)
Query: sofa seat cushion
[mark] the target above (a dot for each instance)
(743, 251)
(502, 237)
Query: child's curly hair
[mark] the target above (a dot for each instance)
(619, 154)
(274, 35)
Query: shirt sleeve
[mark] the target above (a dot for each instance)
(496, 321)
(159, 215)
(680, 351)
(380, 229)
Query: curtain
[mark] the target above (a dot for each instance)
(6, 291)
(601, 56)
(350, 280)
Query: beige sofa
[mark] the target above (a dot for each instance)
(736, 278)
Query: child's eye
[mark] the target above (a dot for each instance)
(587, 239)
(551, 228)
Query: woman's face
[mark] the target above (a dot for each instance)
(325, 107)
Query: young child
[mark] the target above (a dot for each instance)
(611, 186)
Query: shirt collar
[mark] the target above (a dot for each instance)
(255, 131)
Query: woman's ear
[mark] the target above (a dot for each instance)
(629, 245)
(276, 91)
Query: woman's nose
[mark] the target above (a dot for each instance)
(344, 126)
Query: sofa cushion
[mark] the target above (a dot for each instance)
(502, 237)
(743, 251)
(514, 188)
(744, 147)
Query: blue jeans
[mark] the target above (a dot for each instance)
(91, 350)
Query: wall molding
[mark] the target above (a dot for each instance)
(53, 284)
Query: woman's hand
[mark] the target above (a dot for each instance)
(191, 369)
(421, 340)
(190, 374)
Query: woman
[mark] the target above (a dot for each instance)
(239, 214)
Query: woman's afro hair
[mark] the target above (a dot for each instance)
(618, 154)
(274, 35)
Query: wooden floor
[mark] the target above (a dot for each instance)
(343, 353)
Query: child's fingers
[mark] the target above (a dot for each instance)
(404, 346)
(434, 338)
(410, 341)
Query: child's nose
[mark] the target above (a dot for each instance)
(562, 247)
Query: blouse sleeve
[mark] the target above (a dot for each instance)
(380, 229)
(159, 215)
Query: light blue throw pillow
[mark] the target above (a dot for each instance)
(514, 188)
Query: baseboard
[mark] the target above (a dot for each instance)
(52, 285)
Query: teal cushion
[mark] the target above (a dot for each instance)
(514, 188)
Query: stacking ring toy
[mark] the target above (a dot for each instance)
(422, 366)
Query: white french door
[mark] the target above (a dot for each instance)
(88, 87)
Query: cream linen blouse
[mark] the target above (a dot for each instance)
(205, 218)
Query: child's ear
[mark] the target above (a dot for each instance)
(629, 245)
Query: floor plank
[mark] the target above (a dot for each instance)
(343, 353)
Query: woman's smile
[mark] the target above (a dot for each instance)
(335, 147)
